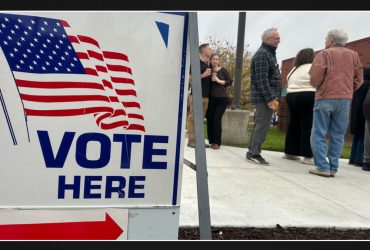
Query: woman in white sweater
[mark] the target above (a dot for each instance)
(300, 100)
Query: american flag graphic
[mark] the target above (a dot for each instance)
(60, 72)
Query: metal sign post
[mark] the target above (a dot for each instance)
(200, 154)
(239, 61)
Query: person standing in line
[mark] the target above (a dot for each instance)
(265, 91)
(335, 73)
(217, 101)
(358, 122)
(300, 100)
(205, 53)
(366, 113)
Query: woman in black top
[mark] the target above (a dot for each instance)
(217, 101)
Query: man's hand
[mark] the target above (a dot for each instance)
(274, 105)
(271, 104)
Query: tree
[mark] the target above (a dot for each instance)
(227, 54)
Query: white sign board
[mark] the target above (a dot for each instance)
(92, 108)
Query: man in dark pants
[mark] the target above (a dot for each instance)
(366, 113)
(358, 121)
(205, 53)
(265, 91)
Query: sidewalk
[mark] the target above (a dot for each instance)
(244, 194)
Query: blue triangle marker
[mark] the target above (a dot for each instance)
(163, 28)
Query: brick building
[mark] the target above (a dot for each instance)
(362, 47)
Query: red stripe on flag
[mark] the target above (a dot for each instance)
(59, 85)
(136, 127)
(122, 80)
(101, 68)
(113, 99)
(115, 55)
(102, 118)
(68, 98)
(82, 55)
(89, 40)
(67, 112)
(107, 84)
(90, 71)
(119, 112)
(136, 116)
(113, 125)
(126, 92)
(131, 104)
(95, 55)
(64, 23)
(119, 68)
(73, 39)
(115, 114)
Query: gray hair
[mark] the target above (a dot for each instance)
(338, 35)
(268, 33)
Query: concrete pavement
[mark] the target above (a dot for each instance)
(243, 194)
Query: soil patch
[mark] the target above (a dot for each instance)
(277, 233)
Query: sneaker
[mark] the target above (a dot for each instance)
(215, 146)
(291, 157)
(332, 174)
(258, 159)
(307, 160)
(316, 171)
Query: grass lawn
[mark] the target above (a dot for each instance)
(275, 141)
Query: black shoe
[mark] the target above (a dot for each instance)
(366, 167)
(355, 164)
(258, 159)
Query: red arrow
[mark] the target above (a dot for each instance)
(87, 230)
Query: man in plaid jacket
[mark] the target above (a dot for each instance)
(265, 91)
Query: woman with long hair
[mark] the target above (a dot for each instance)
(217, 101)
(300, 100)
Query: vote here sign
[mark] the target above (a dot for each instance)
(92, 108)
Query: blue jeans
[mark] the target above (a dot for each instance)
(329, 116)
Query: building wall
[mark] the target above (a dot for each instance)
(362, 47)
